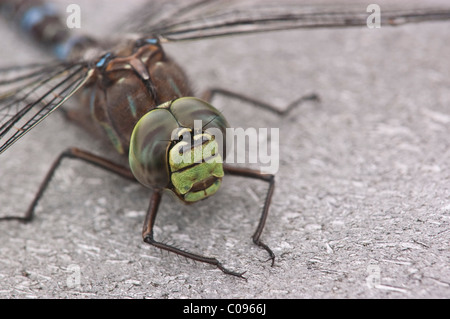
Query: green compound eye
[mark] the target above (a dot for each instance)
(149, 146)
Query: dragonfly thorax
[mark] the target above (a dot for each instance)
(129, 82)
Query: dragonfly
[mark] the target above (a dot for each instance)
(136, 97)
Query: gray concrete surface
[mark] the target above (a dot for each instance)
(362, 201)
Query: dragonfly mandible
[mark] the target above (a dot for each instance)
(137, 95)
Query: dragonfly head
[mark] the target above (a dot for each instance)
(179, 146)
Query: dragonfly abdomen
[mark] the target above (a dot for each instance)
(41, 21)
(37, 18)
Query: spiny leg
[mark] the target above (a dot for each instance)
(269, 178)
(147, 235)
(208, 95)
(73, 153)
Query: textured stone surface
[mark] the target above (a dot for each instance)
(362, 201)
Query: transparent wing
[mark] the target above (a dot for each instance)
(28, 94)
(195, 19)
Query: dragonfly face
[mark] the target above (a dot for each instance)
(169, 150)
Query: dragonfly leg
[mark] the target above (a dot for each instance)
(147, 235)
(269, 178)
(208, 95)
(73, 153)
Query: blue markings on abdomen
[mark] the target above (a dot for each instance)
(36, 15)
(64, 49)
